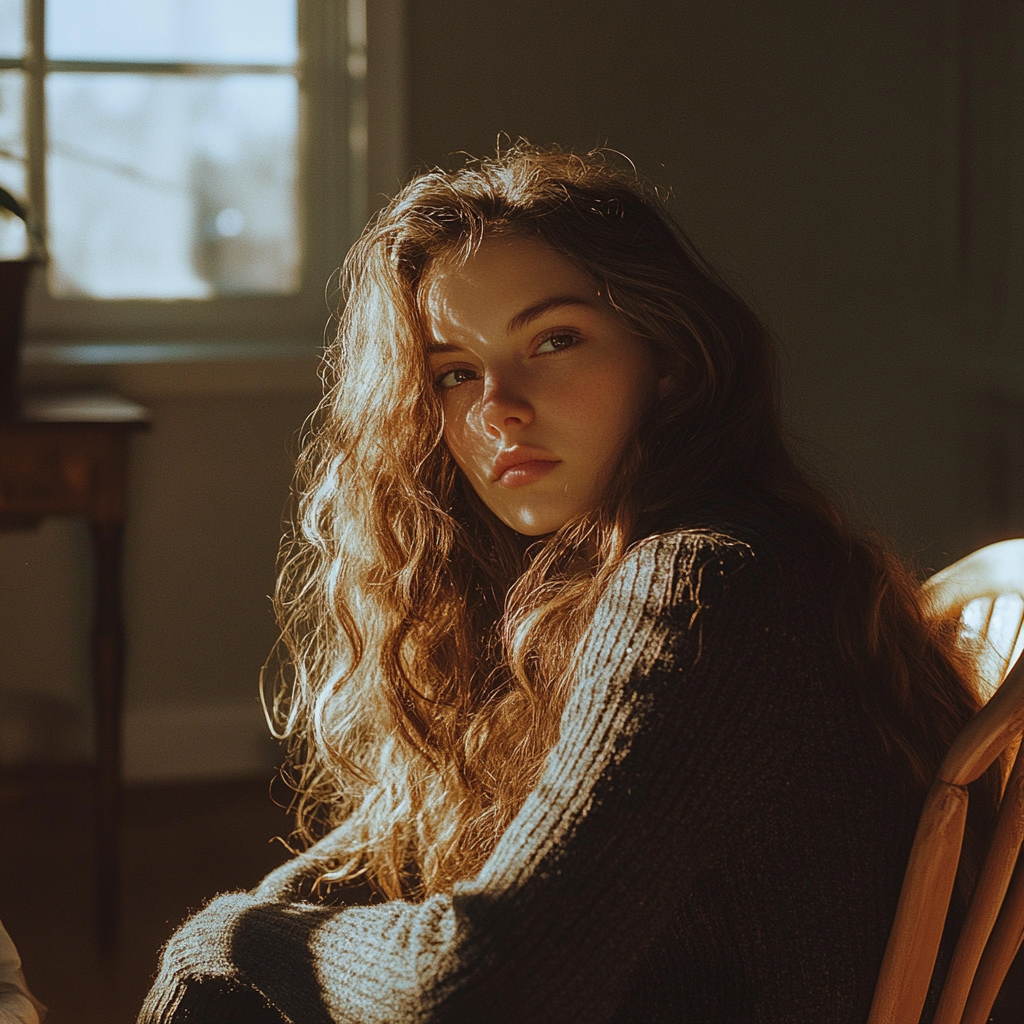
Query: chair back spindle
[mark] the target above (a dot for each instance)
(986, 591)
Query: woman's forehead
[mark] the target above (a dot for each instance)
(502, 278)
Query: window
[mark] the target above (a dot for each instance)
(199, 165)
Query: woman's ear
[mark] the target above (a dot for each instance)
(666, 385)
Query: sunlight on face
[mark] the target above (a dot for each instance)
(541, 382)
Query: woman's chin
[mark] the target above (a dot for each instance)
(533, 524)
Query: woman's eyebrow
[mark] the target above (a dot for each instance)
(443, 346)
(525, 316)
(520, 319)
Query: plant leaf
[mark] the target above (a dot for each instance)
(9, 203)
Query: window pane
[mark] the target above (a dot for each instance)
(250, 31)
(12, 163)
(12, 28)
(166, 186)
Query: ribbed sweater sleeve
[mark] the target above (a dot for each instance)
(682, 722)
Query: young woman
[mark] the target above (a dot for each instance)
(603, 702)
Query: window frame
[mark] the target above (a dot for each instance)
(338, 85)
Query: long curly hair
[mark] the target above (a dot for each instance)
(426, 649)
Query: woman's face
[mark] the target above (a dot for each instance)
(541, 382)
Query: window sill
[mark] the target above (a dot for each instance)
(155, 369)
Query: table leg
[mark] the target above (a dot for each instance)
(107, 653)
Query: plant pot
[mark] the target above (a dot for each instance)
(14, 278)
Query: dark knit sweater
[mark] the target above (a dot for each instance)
(718, 836)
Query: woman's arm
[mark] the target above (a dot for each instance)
(670, 745)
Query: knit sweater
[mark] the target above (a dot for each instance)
(718, 835)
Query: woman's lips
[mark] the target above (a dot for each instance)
(527, 472)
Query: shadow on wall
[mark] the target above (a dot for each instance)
(996, 480)
(37, 728)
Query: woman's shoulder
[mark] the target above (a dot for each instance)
(675, 575)
(692, 546)
(678, 562)
(730, 559)
(717, 596)
(732, 539)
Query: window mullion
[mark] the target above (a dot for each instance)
(35, 109)
(325, 166)
(358, 128)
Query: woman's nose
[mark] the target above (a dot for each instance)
(505, 405)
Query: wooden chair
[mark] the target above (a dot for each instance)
(986, 590)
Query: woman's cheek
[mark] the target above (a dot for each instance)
(466, 447)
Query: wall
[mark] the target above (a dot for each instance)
(811, 150)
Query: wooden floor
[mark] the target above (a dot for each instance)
(181, 845)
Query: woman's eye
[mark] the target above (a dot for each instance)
(557, 342)
(453, 378)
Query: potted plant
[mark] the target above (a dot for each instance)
(14, 278)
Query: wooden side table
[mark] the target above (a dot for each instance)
(67, 456)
